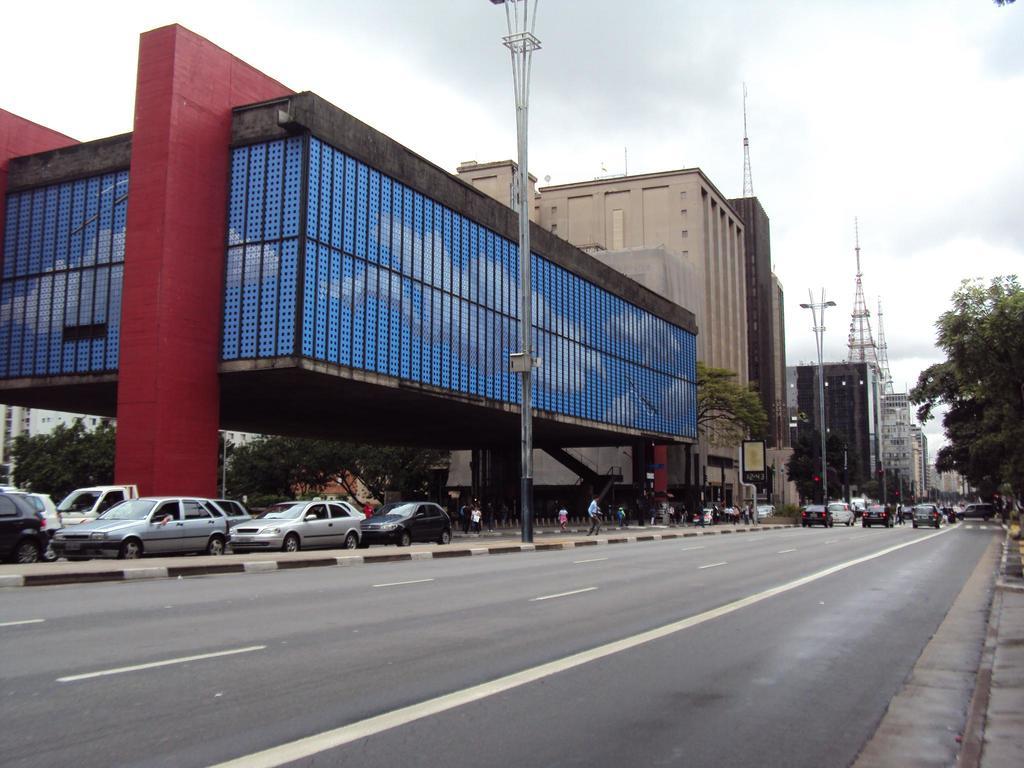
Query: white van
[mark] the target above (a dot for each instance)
(89, 503)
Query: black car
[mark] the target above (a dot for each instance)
(984, 511)
(403, 522)
(22, 537)
(876, 514)
(816, 514)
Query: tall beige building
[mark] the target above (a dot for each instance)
(683, 213)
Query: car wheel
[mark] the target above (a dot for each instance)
(446, 537)
(215, 546)
(131, 549)
(915, 524)
(864, 525)
(291, 543)
(364, 544)
(351, 541)
(27, 551)
(404, 539)
(937, 525)
(831, 523)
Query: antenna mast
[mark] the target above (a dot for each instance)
(861, 343)
(748, 182)
(883, 354)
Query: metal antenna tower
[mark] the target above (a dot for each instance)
(883, 354)
(748, 182)
(861, 343)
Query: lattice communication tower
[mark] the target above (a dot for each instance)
(861, 343)
(748, 182)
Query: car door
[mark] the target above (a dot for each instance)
(165, 528)
(344, 519)
(10, 526)
(318, 532)
(199, 523)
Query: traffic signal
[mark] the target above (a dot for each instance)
(817, 478)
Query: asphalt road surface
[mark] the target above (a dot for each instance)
(768, 649)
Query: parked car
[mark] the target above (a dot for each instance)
(294, 525)
(842, 513)
(403, 522)
(22, 536)
(984, 511)
(157, 525)
(927, 514)
(84, 504)
(815, 514)
(234, 511)
(859, 504)
(43, 504)
(765, 510)
(876, 514)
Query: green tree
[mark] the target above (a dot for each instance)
(405, 470)
(981, 384)
(805, 464)
(726, 410)
(67, 458)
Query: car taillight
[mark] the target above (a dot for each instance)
(885, 514)
(805, 513)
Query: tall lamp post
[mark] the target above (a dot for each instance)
(819, 332)
(521, 43)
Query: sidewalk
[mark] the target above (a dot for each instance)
(467, 545)
(995, 734)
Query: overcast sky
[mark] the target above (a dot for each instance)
(907, 115)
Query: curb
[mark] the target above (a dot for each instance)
(146, 573)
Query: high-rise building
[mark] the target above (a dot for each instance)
(852, 412)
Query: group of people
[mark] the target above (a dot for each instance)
(471, 517)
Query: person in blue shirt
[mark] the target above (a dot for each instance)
(594, 512)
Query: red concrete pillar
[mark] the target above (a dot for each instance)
(660, 456)
(168, 390)
(19, 136)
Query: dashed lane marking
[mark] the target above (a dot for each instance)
(591, 560)
(403, 583)
(562, 594)
(21, 623)
(155, 664)
(711, 565)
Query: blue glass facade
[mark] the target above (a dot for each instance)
(60, 295)
(332, 260)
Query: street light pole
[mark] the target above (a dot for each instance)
(521, 43)
(819, 332)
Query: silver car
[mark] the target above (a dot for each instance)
(157, 525)
(294, 525)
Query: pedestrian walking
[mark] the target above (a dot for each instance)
(475, 516)
(594, 513)
(464, 517)
(563, 518)
(621, 514)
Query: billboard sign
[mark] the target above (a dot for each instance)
(754, 468)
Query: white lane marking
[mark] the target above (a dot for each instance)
(23, 621)
(591, 560)
(689, 549)
(831, 541)
(402, 583)
(784, 551)
(346, 734)
(154, 664)
(968, 527)
(562, 594)
(711, 565)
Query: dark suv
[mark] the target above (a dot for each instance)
(984, 511)
(22, 537)
(403, 522)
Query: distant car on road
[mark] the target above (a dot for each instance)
(927, 514)
(403, 522)
(294, 525)
(876, 514)
(765, 510)
(982, 511)
(842, 513)
(22, 536)
(156, 525)
(816, 514)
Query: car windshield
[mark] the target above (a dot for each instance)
(836, 507)
(284, 511)
(79, 501)
(133, 509)
(396, 510)
(876, 509)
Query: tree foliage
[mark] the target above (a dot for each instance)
(726, 410)
(981, 384)
(805, 464)
(286, 467)
(67, 458)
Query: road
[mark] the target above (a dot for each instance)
(773, 649)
